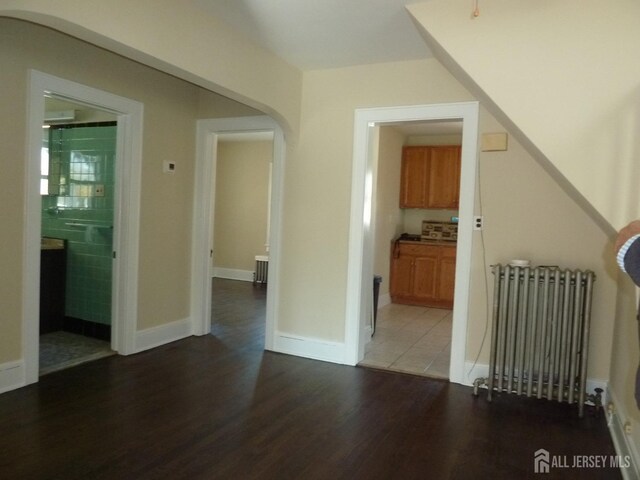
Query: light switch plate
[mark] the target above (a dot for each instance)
(98, 191)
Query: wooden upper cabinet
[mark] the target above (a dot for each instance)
(444, 177)
(414, 177)
(430, 177)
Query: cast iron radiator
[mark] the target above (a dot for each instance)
(540, 334)
(262, 269)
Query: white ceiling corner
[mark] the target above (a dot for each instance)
(318, 34)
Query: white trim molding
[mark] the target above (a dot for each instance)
(129, 115)
(233, 274)
(384, 300)
(314, 348)
(12, 375)
(623, 442)
(361, 248)
(162, 334)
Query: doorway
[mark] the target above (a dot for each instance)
(77, 188)
(361, 240)
(415, 297)
(127, 175)
(209, 133)
(241, 232)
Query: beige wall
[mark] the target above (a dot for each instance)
(179, 38)
(170, 112)
(573, 97)
(317, 189)
(434, 140)
(526, 213)
(318, 183)
(388, 215)
(571, 88)
(241, 204)
(625, 357)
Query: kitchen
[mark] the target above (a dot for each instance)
(416, 211)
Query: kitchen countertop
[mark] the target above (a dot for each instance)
(47, 243)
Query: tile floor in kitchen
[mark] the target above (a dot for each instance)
(411, 339)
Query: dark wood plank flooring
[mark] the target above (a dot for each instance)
(220, 407)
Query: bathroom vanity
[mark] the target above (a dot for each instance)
(53, 270)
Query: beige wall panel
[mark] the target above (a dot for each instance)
(527, 215)
(180, 38)
(388, 219)
(318, 183)
(241, 207)
(526, 212)
(572, 93)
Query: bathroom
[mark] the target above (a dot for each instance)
(77, 198)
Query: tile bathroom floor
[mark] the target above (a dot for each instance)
(411, 339)
(60, 350)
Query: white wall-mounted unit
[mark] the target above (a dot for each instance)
(60, 116)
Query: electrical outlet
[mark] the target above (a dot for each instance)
(99, 191)
(168, 167)
(478, 222)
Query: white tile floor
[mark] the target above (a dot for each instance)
(411, 339)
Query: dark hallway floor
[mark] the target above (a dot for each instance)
(218, 407)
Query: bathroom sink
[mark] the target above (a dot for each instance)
(48, 243)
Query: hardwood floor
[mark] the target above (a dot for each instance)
(219, 407)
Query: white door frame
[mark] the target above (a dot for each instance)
(204, 206)
(129, 115)
(360, 274)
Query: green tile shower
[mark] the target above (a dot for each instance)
(78, 205)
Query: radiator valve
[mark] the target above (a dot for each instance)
(596, 398)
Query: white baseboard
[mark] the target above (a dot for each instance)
(384, 300)
(12, 375)
(309, 347)
(624, 443)
(481, 370)
(473, 371)
(233, 274)
(162, 334)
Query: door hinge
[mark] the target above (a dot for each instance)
(113, 254)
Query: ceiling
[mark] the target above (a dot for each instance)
(318, 34)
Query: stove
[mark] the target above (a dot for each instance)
(441, 231)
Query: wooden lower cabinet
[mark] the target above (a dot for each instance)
(447, 274)
(423, 274)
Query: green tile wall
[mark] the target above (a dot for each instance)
(90, 244)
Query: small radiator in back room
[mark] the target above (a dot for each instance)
(540, 334)
(262, 269)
